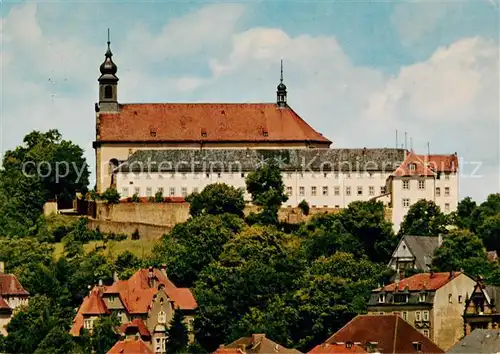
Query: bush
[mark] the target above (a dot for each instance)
(135, 198)
(111, 196)
(151, 199)
(304, 206)
(136, 235)
(159, 197)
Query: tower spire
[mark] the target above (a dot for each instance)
(281, 93)
(108, 82)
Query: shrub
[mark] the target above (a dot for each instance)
(159, 197)
(111, 196)
(151, 199)
(135, 198)
(136, 235)
(304, 206)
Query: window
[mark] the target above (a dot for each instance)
(371, 190)
(162, 317)
(360, 190)
(426, 333)
(289, 191)
(450, 298)
(288, 175)
(425, 315)
(405, 315)
(336, 190)
(348, 175)
(421, 297)
(382, 189)
(301, 175)
(347, 190)
(447, 207)
(184, 176)
(108, 91)
(195, 190)
(160, 176)
(137, 176)
(406, 184)
(381, 298)
(447, 191)
(406, 203)
(148, 176)
(302, 191)
(336, 175)
(418, 316)
(421, 184)
(438, 192)
(184, 191)
(459, 299)
(172, 175)
(172, 191)
(125, 192)
(230, 175)
(417, 346)
(149, 191)
(88, 324)
(137, 191)
(412, 167)
(447, 176)
(360, 175)
(218, 175)
(313, 191)
(243, 175)
(325, 175)
(160, 190)
(325, 190)
(370, 175)
(400, 298)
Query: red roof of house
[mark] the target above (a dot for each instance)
(136, 325)
(336, 348)
(422, 281)
(391, 333)
(136, 346)
(3, 304)
(223, 350)
(136, 294)
(426, 165)
(206, 122)
(9, 285)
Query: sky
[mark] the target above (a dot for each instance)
(356, 71)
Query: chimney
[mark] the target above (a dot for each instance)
(100, 282)
(452, 274)
(163, 269)
(2, 267)
(151, 280)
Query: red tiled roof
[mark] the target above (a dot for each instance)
(426, 165)
(3, 304)
(130, 347)
(337, 348)
(9, 285)
(391, 332)
(422, 281)
(208, 122)
(136, 294)
(138, 325)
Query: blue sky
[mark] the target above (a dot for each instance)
(356, 71)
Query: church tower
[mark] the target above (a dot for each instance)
(281, 93)
(108, 84)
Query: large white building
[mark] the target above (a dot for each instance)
(228, 140)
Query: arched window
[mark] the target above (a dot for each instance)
(162, 317)
(108, 91)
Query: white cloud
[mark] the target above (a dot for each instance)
(451, 98)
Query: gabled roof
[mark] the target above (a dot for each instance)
(337, 348)
(136, 294)
(136, 326)
(391, 333)
(480, 341)
(259, 344)
(422, 248)
(9, 285)
(422, 281)
(136, 346)
(426, 165)
(206, 122)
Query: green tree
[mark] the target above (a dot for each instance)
(424, 218)
(461, 249)
(111, 196)
(216, 199)
(489, 230)
(304, 206)
(193, 244)
(57, 341)
(464, 216)
(268, 191)
(104, 333)
(177, 334)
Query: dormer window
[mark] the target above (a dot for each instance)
(203, 133)
(400, 298)
(417, 346)
(412, 166)
(381, 298)
(421, 297)
(265, 133)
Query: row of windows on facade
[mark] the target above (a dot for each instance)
(407, 203)
(421, 186)
(422, 297)
(289, 191)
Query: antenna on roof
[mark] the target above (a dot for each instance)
(411, 144)
(428, 148)
(396, 138)
(406, 141)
